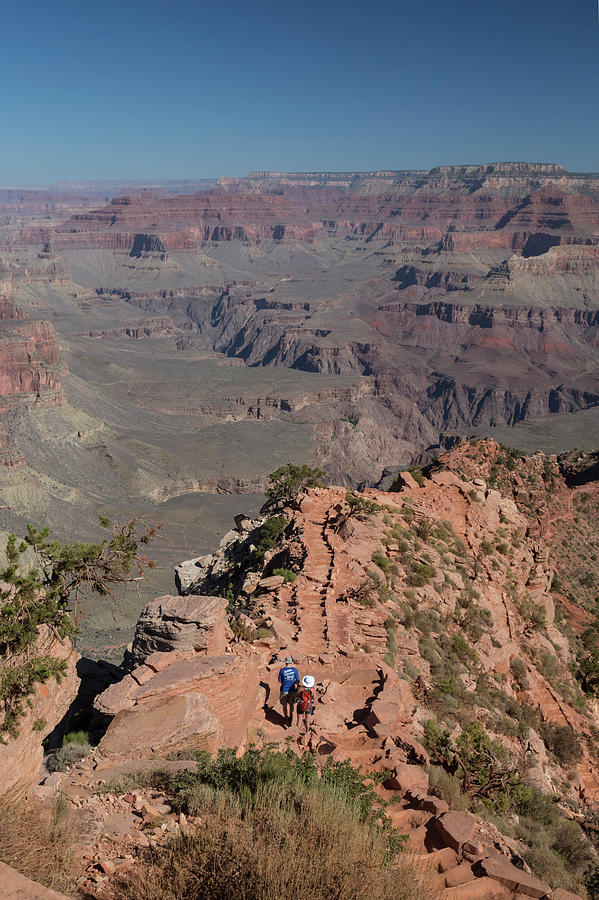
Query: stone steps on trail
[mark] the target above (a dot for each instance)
(320, 624)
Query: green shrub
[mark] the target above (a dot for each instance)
(486, 547)
(270, 534)
(158, 780)
(533, 613)
(424, 529)
(520, 673)
(417, 475)
(67, 756)
(243, 631)
(287, 574)
(408, 513)
(562, 742)
(362, 508)
(391, 629)
(380, 560)
(78, 736)
(462, 650)
(447, 787)
(437, 740)
(420, 574)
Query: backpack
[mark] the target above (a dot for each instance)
(305, 701)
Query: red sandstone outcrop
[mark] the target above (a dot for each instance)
(183, 689)
(198, 702)
(21, 757)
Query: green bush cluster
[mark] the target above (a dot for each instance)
(275, 826)
(269, 536)
(288, 575)
(380, 560)
(520, 672)
(68, 755)
(562, 742)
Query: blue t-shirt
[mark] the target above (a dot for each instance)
(288, 676)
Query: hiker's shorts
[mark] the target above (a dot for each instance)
(286, 698)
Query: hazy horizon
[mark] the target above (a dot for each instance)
(159, 181)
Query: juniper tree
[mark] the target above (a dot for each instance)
(48, 593)
(288, 481)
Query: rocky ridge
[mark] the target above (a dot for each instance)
(448, 581)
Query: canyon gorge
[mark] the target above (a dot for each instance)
(164, 346)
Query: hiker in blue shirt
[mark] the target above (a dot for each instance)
(288, 679)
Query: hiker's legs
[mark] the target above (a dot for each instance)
(286, 705)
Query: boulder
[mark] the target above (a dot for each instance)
(229, 538)
(410, 778)
(163, 725)
(460, 874)
(116, 697)
(243, 522)
(403, 480)
(500, 869)
(455, 828)
(561, 894)
(272, 583)
(191, 571)
(191, 623)
(405, 740)
(428, 803)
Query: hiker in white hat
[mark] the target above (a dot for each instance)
(304, 700)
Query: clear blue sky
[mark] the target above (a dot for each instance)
(100, 89)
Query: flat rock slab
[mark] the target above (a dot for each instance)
(461, 874)
(499, 869)
(15, 886)
(87, 826)
(182, 675)
(118, 824)
(272, 583)
(162, 724)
